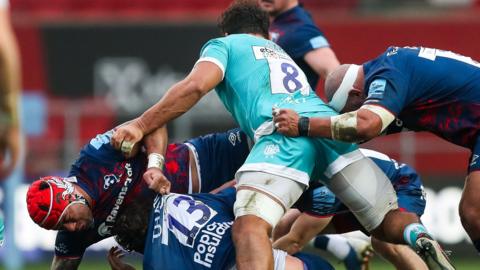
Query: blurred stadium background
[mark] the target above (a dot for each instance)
(91, 64)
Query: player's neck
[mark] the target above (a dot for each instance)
(256, 34)
(288, 7)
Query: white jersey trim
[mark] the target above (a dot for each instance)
(386, 116)
(342, 162)
(211, 60)
(280, 170)
(199, 170)
(374, 154)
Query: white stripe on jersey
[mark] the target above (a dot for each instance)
(375, 154)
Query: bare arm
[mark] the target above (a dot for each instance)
(304, 229)
(182, 96)
(156, 145)
(9, 94)
(368, 126)
(60, 263)
(178, 100)
(356, 126)
(322, 61)
(9, 68)
(228, 184)
(156, 142)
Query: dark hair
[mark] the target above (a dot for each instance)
(131, 226)
(244, 17)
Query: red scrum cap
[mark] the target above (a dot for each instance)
(48, 198)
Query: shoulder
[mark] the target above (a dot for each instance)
(215, 42)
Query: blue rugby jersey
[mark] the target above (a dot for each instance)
(297, 34)
(191, 232)
(219, 156)
(427, 90)
(113, 181)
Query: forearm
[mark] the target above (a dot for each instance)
(178, 100)
(9, 71)
(356, 126)
(59, 263)
(320, 127)
(288, 243)
(156, 142)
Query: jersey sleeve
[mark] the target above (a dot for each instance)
(73, 244)
(307, 38)
(387, 93)
(215, 51)
(318, 201)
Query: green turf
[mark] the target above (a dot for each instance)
(377, 264)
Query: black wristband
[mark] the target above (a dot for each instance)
(303, 126)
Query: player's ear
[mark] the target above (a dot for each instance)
(355, 93)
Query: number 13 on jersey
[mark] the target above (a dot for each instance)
(285, 76)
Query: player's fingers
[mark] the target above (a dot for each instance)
(111, 257)
(275, 111)
(126, 147)
(167, 187)
(147, 177)
(118, 252)
(117, 139)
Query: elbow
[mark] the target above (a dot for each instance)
(366, 130)
(197, 88)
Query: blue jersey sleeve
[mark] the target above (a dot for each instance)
(215, 51)
(386, 94)
(219, 155)
(319, 201)
(385, 84)
(305, 39)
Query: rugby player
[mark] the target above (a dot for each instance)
(102, 181)
(252, 74)
(191, 232)
(294, 30)
(319, 207)
(409, 88)
(10, 86)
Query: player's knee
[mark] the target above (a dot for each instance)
(385, 249)
(250, 227)
(469, 214)
(259, 205)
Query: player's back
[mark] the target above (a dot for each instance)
(109, 179)
(428, 90)
(191, 232)
(259, 75)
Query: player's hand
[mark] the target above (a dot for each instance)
(286, 121)
(9, 145)
(114, 257)
(157, 181)
(127, 136)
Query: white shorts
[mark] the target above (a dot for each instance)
(265, 195)
(366, 191)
